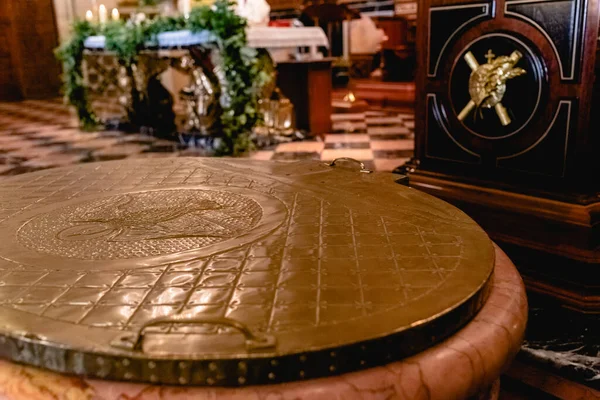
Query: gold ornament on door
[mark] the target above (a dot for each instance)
(487, 85)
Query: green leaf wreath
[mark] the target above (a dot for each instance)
(241, 64)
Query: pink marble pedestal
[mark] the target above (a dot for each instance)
(467, 364)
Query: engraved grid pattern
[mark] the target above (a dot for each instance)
(351, 262)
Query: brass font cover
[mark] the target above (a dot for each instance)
(229, 272)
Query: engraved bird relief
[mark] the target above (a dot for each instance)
(487, 84)
(129, 218)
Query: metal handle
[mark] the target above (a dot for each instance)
(363, 169)
(254, 341)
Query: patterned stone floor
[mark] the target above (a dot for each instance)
(43, 134)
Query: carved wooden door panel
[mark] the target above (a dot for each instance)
(506, 89)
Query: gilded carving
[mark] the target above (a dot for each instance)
(487, 85)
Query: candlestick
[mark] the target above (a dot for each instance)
(185, 6)
(89, 16)
(115, 14)
(346, 39)
(102, 14)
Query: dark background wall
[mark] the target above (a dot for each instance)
(28, 37)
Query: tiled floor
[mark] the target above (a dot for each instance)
(43, 134)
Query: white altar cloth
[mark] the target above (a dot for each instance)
(268, 37)
(258, 37)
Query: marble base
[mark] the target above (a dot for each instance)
(564, 342)
(467, 365)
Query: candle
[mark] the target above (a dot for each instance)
(102, 14)
(185, 6)
(89, 16)
(346, 39)
(115, 14)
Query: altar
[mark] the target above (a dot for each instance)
(205, 76)
(170, 57)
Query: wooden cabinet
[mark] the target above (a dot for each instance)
(530, 179)
(308, 85)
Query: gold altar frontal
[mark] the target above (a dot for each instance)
(223, 272)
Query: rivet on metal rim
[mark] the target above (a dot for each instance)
(363, 168)
(254, 341)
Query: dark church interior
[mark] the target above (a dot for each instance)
(299, 199)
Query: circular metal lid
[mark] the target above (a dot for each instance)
(229, 272)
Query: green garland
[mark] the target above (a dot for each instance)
(71, 55)
(241, 64)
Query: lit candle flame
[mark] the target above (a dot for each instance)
(115, 14)
(89, 16)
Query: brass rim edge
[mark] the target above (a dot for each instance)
(250, 371)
